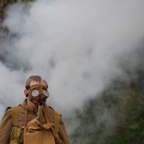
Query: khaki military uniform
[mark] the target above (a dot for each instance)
(6, 122)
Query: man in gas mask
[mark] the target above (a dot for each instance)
(33, 122)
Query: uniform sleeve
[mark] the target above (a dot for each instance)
(6, 127)
(63, 133)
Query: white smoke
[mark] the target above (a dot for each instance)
(73, 44)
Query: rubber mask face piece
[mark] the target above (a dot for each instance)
(38, 93)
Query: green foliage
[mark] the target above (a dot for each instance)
(128, 113)
(4, 3)
(116, 116)
(26, 0)
(130, 131)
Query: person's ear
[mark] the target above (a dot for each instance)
(25, 92)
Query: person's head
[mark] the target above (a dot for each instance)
(34, 79)
(36, 91)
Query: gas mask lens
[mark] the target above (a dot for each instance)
(35, 93)
(45, 93)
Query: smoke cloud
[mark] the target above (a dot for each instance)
(74, 45)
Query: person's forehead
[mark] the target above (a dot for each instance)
(36, 82)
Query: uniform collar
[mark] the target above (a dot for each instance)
(30, 109)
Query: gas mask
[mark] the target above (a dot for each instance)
(38, 94)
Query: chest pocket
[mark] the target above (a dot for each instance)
(36, 133)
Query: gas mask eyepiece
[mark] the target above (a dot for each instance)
(36, 92)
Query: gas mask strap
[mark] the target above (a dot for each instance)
(25, 118)
(46, 117)
(41, 81)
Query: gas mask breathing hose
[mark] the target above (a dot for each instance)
(39, 110)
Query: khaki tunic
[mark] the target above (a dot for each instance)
(6, 122)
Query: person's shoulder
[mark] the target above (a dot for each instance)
(8, 109)
(53, 110)
(50, 108)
